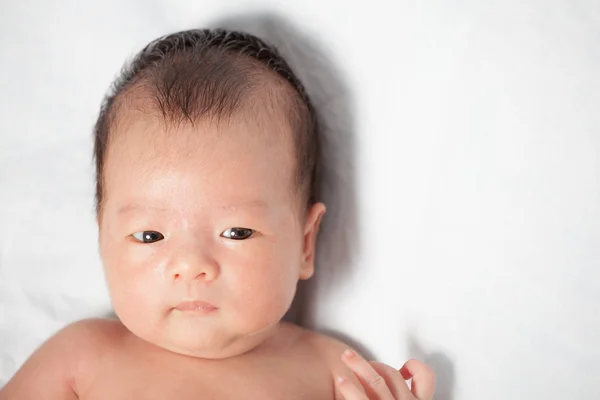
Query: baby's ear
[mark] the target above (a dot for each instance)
(311, 228)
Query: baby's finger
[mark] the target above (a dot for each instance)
(423, 379)
(373, 383)
(393, 379)
(349, 390)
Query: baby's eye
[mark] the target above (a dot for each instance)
(237, 233)
(148, 236)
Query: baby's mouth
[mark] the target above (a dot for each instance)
(195, 306)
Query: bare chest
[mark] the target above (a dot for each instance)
(267, 379)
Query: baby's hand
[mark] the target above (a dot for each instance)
(382, 382)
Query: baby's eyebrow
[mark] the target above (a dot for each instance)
(137, 207)
(226, 207)
(244, 204)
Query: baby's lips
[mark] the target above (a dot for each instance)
(198, 306)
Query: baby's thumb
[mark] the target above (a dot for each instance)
(423, 379)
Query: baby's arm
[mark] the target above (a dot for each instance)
(54, 369)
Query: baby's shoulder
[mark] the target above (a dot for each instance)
(89, 337)
(330, 349)
(325, 347)
(67, 362)
(94, 335)
(88, 342)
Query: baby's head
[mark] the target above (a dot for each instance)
(205, 156)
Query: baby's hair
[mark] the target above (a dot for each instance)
(212, 74)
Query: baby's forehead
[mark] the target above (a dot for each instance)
(148, 144)
(201, 164)
(150, 134)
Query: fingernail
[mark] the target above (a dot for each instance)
(348, 353)
(340, 380)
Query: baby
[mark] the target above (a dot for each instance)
(205, 158)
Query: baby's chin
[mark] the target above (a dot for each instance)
(210, 341)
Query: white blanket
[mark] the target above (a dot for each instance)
(462, 175)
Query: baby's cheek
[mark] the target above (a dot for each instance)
(133, 289)
(265, 294)
(137, 303)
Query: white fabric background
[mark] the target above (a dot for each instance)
(462, 176)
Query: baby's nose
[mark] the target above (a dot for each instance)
(194, 267)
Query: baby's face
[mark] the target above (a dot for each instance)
(186, 191)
